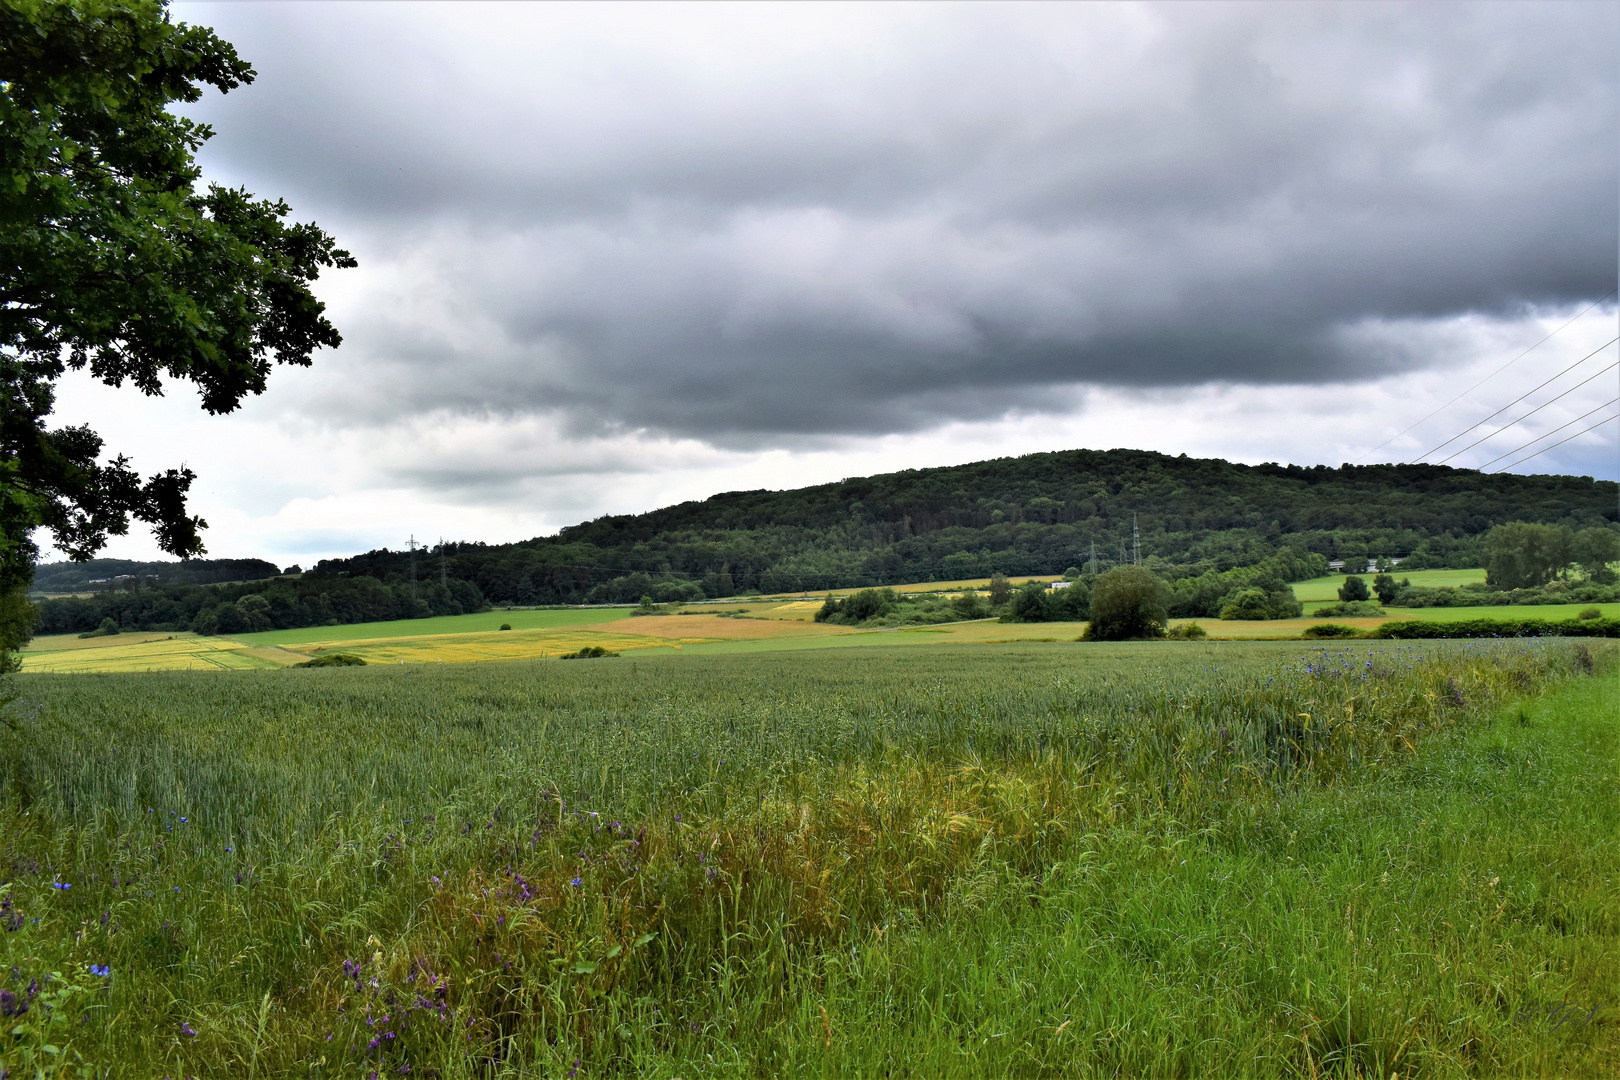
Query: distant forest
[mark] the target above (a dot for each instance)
(99, 575)
(1194, 519)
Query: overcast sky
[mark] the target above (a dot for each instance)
(616, 256)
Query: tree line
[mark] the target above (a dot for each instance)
(283, 603)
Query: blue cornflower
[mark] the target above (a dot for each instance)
(576, 883)
(101, 970)
(60, 885)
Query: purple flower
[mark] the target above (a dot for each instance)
(101, 970)
(576, 883)
(187, 1029)
(574, 1071)
(60, 885)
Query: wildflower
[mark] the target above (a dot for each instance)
(101, 970)
(187, 1029)
(60, 885)
(576, 883)
(574, 1071)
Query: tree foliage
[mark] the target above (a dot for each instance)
(112, 261)
(1128, 602)
(1354, 590)
(1522, 555)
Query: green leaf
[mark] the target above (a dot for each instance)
(643, 939)
(584, 969)
(615, 951)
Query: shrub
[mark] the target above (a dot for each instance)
(1128, 602)
(506, 626)
(971, 606)
(1357, 609)
(1499, 628)
(589, 652)
(1188, 631)
(1327, 629)
(1589, 613)
(336, 659)
(1354, 589)
(1246, 604)
(108, 627)
(1030, 603)
(864, 605)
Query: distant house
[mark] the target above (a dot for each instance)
(1059, 584)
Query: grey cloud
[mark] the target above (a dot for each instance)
(944, 213)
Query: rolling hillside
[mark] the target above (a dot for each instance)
(1035, 514)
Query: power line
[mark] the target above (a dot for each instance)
(1485, 380)
(1545, 434)
(1559, 443)
(1532, 412)
(1518, 399)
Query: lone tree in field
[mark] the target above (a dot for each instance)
(1354, 590)
(111, 260)
(1128, 602)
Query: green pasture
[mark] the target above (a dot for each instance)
(483, 622)
(1220, 859)
(1327, 588)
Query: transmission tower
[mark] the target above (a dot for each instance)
(413, 565)
(444, 565)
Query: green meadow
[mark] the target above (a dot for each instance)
(1154, 859)
(516, 618)
(1327, 588)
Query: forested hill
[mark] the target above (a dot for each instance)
(102, 574)
(1035, 514)
(1207, 525)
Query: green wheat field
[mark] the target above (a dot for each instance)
(1233, 859)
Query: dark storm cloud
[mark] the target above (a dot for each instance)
(743, 223)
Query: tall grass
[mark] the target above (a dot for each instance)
(821, 863)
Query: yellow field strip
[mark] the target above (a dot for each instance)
(499, 645)
(170, 653)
